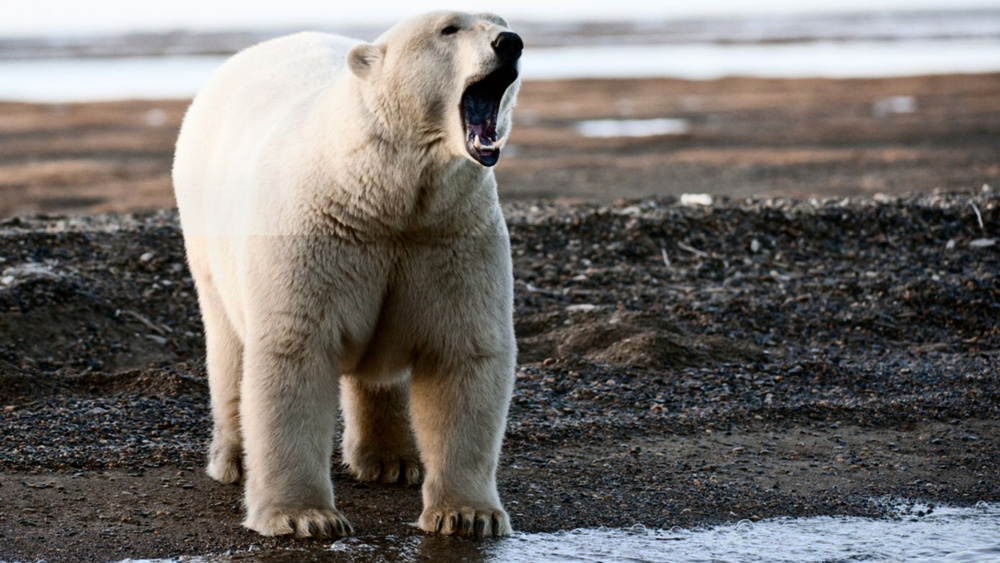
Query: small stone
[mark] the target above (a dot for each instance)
(146, 257)
(696, 199)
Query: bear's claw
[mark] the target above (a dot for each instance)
(465, 521)
(308, 523)
(402, 470)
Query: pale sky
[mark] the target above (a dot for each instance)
(53, 17)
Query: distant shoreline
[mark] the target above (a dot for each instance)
(935, 25)
(74, 80)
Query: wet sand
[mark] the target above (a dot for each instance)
(678, 366)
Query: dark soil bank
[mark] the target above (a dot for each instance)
(678, 366)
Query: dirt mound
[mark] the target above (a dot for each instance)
(626, 339)
(178, 380)
(66, 327)
(95, 295)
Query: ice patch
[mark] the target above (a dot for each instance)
(894, 104)
(603, 128)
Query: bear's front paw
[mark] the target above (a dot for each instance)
(225, 463)
(304, 523)
(465, 521)
(405, 470)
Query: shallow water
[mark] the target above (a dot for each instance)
(61, 80)
(917, 533)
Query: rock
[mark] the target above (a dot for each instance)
(696, 199)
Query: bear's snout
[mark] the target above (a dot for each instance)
(508, 46)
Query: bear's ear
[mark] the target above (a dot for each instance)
(364, 59)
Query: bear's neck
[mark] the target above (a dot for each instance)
(395, 184)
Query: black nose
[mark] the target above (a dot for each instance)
(508, 46)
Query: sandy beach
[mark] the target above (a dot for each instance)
(821, 340)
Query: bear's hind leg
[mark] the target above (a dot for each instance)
(225, 365)
(378, 442)
(459, 416)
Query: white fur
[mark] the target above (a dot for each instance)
(344, 245)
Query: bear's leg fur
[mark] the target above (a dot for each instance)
(459, 412)
(378, 442)
(289, 393)
(225, 365)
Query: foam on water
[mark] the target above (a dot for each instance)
(914, 533)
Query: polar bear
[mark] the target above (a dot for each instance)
(342, 227)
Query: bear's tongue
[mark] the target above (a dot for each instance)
(482, 136)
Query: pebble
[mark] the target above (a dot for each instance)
(696, 199)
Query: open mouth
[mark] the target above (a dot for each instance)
(480, 109)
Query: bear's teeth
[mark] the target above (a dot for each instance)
(496, 145)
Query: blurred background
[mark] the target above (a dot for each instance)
(621, 99)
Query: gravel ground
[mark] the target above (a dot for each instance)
(679, 365)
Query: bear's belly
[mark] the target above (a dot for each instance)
(386, 356)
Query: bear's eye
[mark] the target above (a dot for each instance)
(450, 30)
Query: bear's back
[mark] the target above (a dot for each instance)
(278, 71)
(245, 99)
